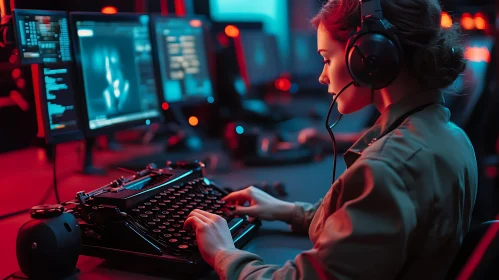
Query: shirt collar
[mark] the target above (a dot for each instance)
(388, 117)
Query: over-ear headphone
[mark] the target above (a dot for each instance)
(373, 53)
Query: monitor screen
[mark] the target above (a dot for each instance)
(182, 59)
(117, 70)
(58, 103)
(261, 55)
(42, 36)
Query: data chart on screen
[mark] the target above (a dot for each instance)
(42, 36)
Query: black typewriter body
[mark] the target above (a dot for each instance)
(141, 218)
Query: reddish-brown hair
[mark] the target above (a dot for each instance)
(435, 56)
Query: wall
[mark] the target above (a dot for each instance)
(273, 14)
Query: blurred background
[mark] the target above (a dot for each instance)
(243, 96)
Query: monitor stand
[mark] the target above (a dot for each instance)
(88, 167)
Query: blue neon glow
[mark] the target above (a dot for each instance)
(240, 86)
(239, 129)
(148, 122)
(210, 99)
(273, 14)
(144, 19)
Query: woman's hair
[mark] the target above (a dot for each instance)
(432, 54)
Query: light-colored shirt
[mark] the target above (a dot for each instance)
(399, 211)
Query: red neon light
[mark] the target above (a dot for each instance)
(163, 6)
(196, 23)
(283, 84)
(446, 20)
(193, 121)
(165, 106)
(180, 9)
(109, 10)
(479, 252)
(480, 21)
(477, 54)
(35, 71)
(232, 31)
(467, 21)
(16, 73)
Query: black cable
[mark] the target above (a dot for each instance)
(55, 175)
(330, 127)
(8, 215)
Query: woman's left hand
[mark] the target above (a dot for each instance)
(212, 234)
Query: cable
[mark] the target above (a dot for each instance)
(330, 127)
(54, 174)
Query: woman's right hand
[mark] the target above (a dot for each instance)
(262, 205)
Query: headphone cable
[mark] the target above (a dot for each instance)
(330, 127)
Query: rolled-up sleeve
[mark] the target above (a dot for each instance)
(365, 238)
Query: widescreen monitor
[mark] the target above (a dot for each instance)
(117, 74)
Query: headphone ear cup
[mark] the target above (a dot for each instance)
(373, 60)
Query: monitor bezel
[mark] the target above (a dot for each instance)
(194, 101)
(94, 16)
(17, 33)
(52, 136)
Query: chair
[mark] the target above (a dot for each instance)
(488, 268)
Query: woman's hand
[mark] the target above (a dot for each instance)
(212, 234)
(262, 205)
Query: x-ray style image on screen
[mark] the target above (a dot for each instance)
(118, 72)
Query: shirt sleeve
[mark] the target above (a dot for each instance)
(365, 238)
(302, 216)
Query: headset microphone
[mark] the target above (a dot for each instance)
(330, 127)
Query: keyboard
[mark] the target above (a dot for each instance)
(141, 218)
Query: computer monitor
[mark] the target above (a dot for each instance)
(261, 56)
(56, 103)
(42, 36)
(182, 59)
(116, 71)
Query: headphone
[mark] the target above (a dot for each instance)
(373, 53)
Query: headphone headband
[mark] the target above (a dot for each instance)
(370, 8)
(373, 54)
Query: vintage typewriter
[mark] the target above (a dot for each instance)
(141, 218)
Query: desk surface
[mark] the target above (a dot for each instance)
(27, 180)
(304, 182)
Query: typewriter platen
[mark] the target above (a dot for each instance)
(141, 218)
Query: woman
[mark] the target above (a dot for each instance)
(403, 205)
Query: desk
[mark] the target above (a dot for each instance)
(304, 182)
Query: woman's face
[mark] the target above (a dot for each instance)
(335, 74)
